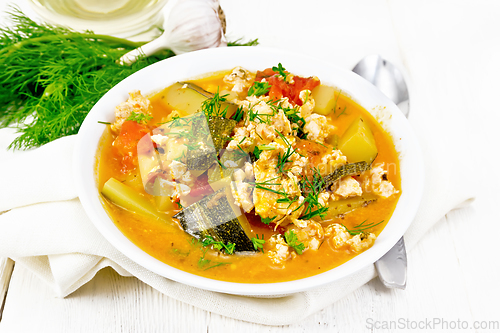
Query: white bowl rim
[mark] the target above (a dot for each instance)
(186, 66)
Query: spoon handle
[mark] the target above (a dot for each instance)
(384, 75)
(391, 267)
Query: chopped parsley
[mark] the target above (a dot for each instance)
(218, 245)
(259, 88)
(281, 70)
(267, 220)
(139, 117)
(292, 241)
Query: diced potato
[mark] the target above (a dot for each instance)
(185, 100)
(188, 101)
(357, 143)
(333, 140)
(163, 203)
(126, 197)
(324, 98)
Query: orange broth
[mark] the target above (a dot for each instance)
(167, 242)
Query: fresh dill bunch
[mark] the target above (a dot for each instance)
(51, 77)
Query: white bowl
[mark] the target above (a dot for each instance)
(162, 74)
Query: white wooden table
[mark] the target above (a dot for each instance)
(454, 271)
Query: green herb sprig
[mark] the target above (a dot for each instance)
(311, 188)
(258, 243)
(362, 227)
(292, 241)
(139, 117)
(52, 76)
(281, 70)
(259, 89)
(285, 157)
(218, 245)
(267, 220)
(259, 149)
(212, 107)
(239, 114)
(206, 264)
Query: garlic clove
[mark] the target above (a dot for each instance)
(191, 25)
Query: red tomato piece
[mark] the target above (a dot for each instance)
(201, 187)
(125, 144)
(280, 88)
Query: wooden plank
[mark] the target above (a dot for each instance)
(6, 268)
(108, 303)
(117, 304)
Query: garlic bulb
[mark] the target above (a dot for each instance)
(191, 25)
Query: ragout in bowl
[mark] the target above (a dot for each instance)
(251, 177)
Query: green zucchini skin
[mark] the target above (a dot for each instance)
(351, 169)
(213, 216)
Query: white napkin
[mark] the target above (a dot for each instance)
(47, 231)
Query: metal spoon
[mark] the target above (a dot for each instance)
(385, 76)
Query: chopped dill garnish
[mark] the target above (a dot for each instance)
(212, 106)
(261, 117)
(259, 88)
(139, 117)
(311, 188)
(259, 149)
(238, 115)
(266, 147)
(258, 243)
(292, 240)
(343, 111)
(262, 186)
(319, 143)
(293, 115)
(104, 122)
(192, 146)
(283, 159)
(205, 264)
(362, 227)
